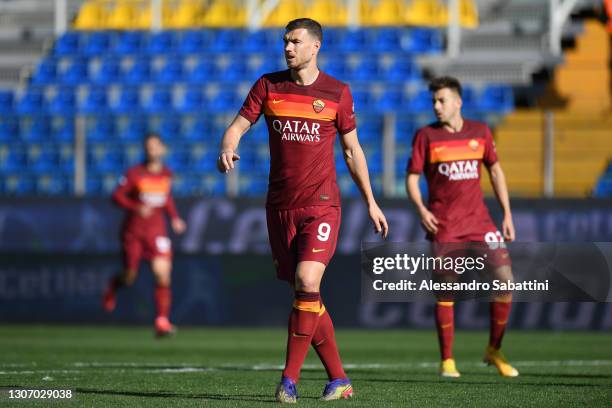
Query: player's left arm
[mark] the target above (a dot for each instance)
(498, 181)
(357, 165)
(176, 222)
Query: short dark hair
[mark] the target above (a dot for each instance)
(152, 135)
(313, 27)
(446, 82)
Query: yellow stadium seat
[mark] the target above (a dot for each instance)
(92, 16)
(426, 13)
(124, 16)
(286, 11)
(387, 13)
(187, 15)
(469, 14)
(328, 13)
(224, 14)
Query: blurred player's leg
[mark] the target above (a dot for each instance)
(445, 325)
(132, 253)
(162, 267)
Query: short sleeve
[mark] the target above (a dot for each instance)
(253, 104)
(345, 115)
(416, 164)
(490, 153)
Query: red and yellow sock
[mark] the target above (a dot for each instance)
(163, 300)
(500, 311)
(445, 324)
(324, 343)
(302, 326)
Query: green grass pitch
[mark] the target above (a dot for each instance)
(127, 367)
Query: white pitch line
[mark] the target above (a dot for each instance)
(180, 368)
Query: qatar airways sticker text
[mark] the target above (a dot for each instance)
(297, 130)
(459, 170)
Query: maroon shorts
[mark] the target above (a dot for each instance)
(485, 241)
(302, 234)
(137, 246)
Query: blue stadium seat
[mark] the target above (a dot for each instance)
(43, 158)
(194, 41)
(225, 40)
(9, 128)
(236, 71)
(35, 128)
(45, 73)
(76, 73)
(102, 158)
(420, 102)
(387, 39)
(129, 101)
(366, 70)
(130, 43)
(355, 40)
(402, 69)
(7, 99)
(203, 158)
(203, 71)
(20, 184)
(170, 127)
(253, 186)
(422, 41)
(94, 185)
(109, 71)
(193, 101)
(337, 67)
(101, 129)
(603, 188)
(170, 72)
(134, 129)
(404, 131)
(64, 102)
(270, 39)
(162, 43)
(370, 128)
(178, 158)
(391, 100)
(496, 98)
(470, 102)
(13, 158)
(139, 72)
(160, 101)
(98, 43)
(62, 128)
(96, 101)
(226, 100)
(334, 37)
(200, 129)
(54, 185)
(67, 44)
(32, 102)
(362, 99)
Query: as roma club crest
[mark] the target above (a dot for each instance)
(318, 105)
(473, 144)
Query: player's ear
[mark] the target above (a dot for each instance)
(316, 45)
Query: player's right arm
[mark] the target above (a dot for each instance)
(429, 221)
(230, 142)
(122, 197)
(413, 173)
(248, 115)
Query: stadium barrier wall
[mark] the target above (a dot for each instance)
(56, 256)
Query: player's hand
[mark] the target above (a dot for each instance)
(178, 226)
(379, 220)
(429, 221)
(508, 228)
(145, 211)
(226, 160)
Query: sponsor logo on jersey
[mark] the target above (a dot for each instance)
(459, 170)
(318, 105)
(297, 130)
(275, 101)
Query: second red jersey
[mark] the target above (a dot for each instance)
(452, 166)
(302, 125)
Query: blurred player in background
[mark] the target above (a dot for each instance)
(145, 192)
(450, 153)
(304, 108)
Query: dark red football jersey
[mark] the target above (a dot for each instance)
(139, 186)
(302, 125)
(452, 166)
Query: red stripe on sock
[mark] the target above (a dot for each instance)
(500, 311)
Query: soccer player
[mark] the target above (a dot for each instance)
(145, 193)
(304, 108)
(450, 152)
